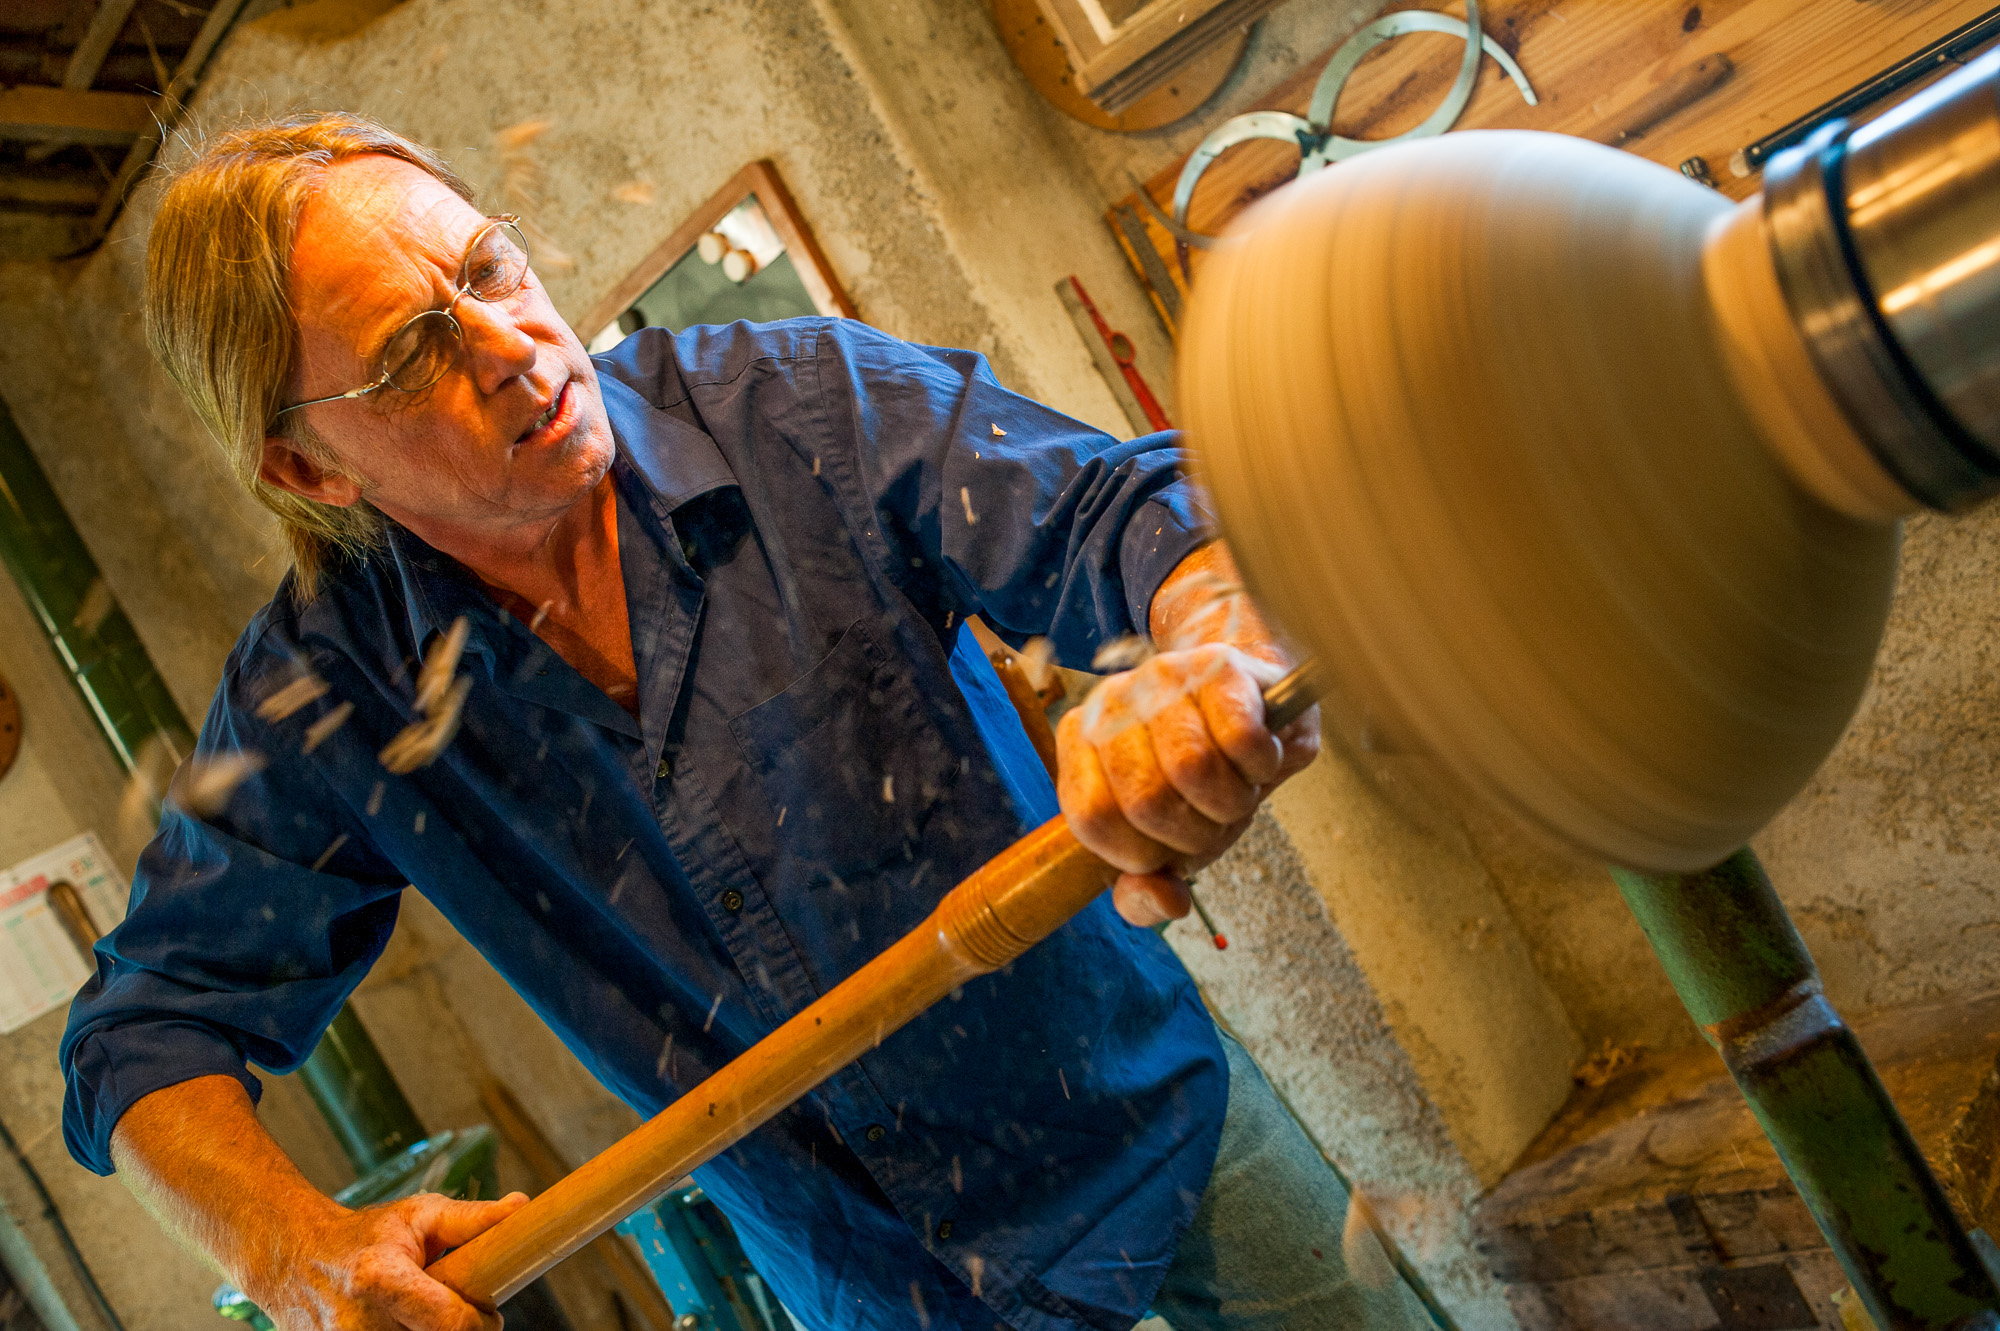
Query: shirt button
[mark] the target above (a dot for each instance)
(876, 1132)
(944, 1231)
(732, 900)
(666, 769)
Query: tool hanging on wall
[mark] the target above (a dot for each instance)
(1121, 355)
(1100, 355)
(1160, 288)
(1319, 146)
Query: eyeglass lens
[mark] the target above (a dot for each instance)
(425, 347)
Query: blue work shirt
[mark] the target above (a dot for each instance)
(807, 511)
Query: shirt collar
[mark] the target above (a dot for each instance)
(674, 461)
(436, 590)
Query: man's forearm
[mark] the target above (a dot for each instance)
(1203, 601)
(197, 1158)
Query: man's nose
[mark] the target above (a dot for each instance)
(496, 347)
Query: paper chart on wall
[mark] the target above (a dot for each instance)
(40, 968)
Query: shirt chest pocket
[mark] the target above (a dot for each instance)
(850, 760)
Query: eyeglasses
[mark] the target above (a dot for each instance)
(419, 353)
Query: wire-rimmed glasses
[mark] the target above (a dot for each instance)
(418, 354)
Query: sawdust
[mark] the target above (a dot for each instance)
(317, 732)
(440, 697)
(1606, 1063)
(307, 688)
(210, 782)
(521, 182)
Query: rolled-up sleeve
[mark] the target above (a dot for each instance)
(1043, 525)
(247, 930)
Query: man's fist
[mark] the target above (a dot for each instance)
(364, 1270)
(1162, 768)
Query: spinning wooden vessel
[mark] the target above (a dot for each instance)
(1521, 436)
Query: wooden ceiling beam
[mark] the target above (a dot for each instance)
(78, 191)
(88, 57)
(213, 29)
(61, 115)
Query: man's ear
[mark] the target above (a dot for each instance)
(285, 467)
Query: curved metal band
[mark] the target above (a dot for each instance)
(1318, 146)
(1326, 93)
(1281, 125)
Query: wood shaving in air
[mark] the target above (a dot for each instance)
(317, 732)
(419, 743)
(521, 181)
(307, 688)
(211, 781)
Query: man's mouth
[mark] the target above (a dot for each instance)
(542, 421)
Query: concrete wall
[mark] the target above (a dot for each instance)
(1418, 981)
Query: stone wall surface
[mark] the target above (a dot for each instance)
(1887, 859)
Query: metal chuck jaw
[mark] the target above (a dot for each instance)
(1886, 241)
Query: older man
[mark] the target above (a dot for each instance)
(722, 739)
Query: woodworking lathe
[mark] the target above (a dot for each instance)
(1442, 398)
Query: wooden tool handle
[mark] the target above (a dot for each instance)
(1015, 900)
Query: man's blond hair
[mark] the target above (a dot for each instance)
(219, 315)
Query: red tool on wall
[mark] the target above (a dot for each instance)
(1123, 352)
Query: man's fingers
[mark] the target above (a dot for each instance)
(1166, 765)
(444, 1223)
(1196, 767)
(1301, 740)
(395, 1280)
(1232, 705)
(1092, 809)
(1147, 899)
(1148, 799)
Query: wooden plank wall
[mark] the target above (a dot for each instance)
(1598, 67)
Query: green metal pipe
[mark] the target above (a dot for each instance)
(1745, 975)
(84, 624)
(357, 1093)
